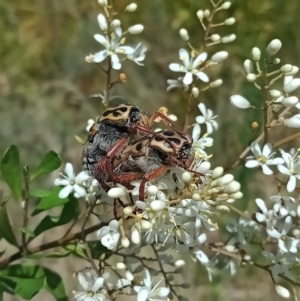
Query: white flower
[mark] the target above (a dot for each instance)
(110, 235)
(285, 243)
(292, 168)
(207, 118)
(291, 85)
(113, 48)
(138, 54)
(152, 294)
(265, 215)
(91, 291)
(200, 143)
(263, 158)
(189, 66)
(72, 183)
(177, 83)
(284, 205)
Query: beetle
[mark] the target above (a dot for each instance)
(110, 134)
(149, 157)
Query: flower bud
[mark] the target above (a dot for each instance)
(222, 208)
(254, 126)
(158, 205)
(127, 210)
(229, 38)
(102, 22)
(131, 7)
(298, 211)
(120, 266)
(232, 187)
(230, 248)
(226, 179)
(229, 21)
(293, 122)
(236, 195)
(251, 77)
(129, 276)
(196, 197)
(206, 13)
(274, 47)
(200, 15)
(216, 83)
(282, 291)
(275, 93)
(186, 177)
(217, 172)
(292, 85)
(116, 192)
(102, 2)
(135, 236)
(215, 37)
(256, 54)
(219, 56)
(294, 70)
(184, 34)
(115, 23)
(286, 68)
(145, 225)
(248, 65)
(152, 190)
(226, 5)
(276, 61)
(136, 29)
(195, 92)
(290, 101)
(179, 263)
(125, 242)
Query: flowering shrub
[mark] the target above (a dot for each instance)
(181, 207)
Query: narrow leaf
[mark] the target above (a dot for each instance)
(5, 226)
(27, 231)
(11, 170)
(55, 286)
(39, 193)
(49, 163)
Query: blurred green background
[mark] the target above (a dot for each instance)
(45, 82)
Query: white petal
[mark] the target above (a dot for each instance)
(275, 161)
(184, 57)
(125, 50)
(61, 182)
(291, 184)
(164, 292)
(82, 176)
(202, 76)
(210, 128)
(70, 171)
(283, 170)
(202, 238)
(143, 294)
(202, 108)
(98, 284)
(261, 204)
(200, 119)
(267, 149)
(100, 56)
(196, 132)
(200, 59)
(175, 67)
(147, 279)
(102, 40)
(80, 190)
(188, 78)
(65, 191)
(266, 170)
(201, 256)
(252, 163)
(260, 217)
(82, 281)
(115, 62)
(114, 225)
(255, 148)
(273, 232)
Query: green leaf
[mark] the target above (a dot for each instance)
(27, 231)
(49, 163)
(5, 226)
(77, 249)
(11, 170)
(55, 286)
(50, 201)
(97, 249)
(39, 193)
(69, 211)
(27, 280)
